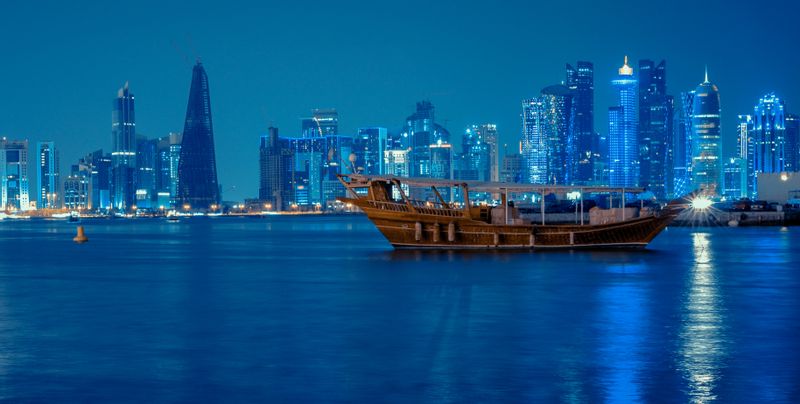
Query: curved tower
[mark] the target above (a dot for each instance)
(706, 144)
(197, 167)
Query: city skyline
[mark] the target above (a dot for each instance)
(369, 93)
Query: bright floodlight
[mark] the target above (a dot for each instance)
(701, 202)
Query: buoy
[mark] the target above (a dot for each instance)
(81, 236)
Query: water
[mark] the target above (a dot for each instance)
(322, 309)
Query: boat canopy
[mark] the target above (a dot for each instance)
(359, 180)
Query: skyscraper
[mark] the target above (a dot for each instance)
(271, 188)
(682, 146)
(548, 136)
(419, 133)
(744, 151)
(197, 168)
(769, 135)
(123, 152)
(146, 169)
(323, 122)
(369, 146)
(706, 145)
(623, 119)
(475, 158)
(47, 174)
(656, 110)
(14, 192)
(792, 137)
(580, 80)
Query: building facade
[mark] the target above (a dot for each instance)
(123, 152)
(580, 80)
(48, 193)
(623, 129)
(323, 122)
(706, 141)
(14, 186)
(656, 115)
(197, 167)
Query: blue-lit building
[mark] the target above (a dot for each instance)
(322, 122)
(792, 148)
(274, 157)
(656, 115)
(769, 135)
(123, 152)
(14, 186)
(369, 147)
(682, 146)
(419, 133)
(198, 188)
(548, 140)
(734, 178)
(623, 130)
(146, 169)
(475, 159)
(48, 195)
(587, 152)
(706, 141)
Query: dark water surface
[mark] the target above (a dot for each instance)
(322, 309)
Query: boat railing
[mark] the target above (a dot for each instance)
(423, 207)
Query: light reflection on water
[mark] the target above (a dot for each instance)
(322, 309)
(702, 348)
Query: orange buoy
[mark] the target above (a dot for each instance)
(81, 236)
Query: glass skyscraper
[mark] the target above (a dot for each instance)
(369, 146)
(323, 122)
(792, 149)
(197, 169)
(656, 110)
(580, 80)
(706, 145)
(123, 152)
(14, 191)
(623, 148)
(548, 136)
(769, 135)
(47, 174)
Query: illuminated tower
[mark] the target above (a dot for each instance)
(123, 152)
(706, 145)
(580, 80)
(197, 167)
(623, 148)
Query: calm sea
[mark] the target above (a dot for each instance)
(309, 309)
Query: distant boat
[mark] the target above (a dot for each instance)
(74, 218)
(173, 219)
(412, 224)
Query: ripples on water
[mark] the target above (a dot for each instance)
(322, 309)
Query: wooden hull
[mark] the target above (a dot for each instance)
(414, 230)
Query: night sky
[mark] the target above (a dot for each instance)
(62, 63)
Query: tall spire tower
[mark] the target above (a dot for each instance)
(197, 168)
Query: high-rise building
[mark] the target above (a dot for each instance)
(792, 149)
(369, 146)
(475, 157)
(14, 187)
(656, 110)
(419, 133)
(168, 154)
(580, 80)
(77, 188)
(323, 122)
(744, 150)
(146, 168)
(548, 136)
(682, 146)
(623, 119)
(123, 154)
(513, 170)
(397, 163)
(706, 142)
(48, 195)
(272, 190)
(734, 178)
(197, 169)
(769, 137)
(489, 133)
